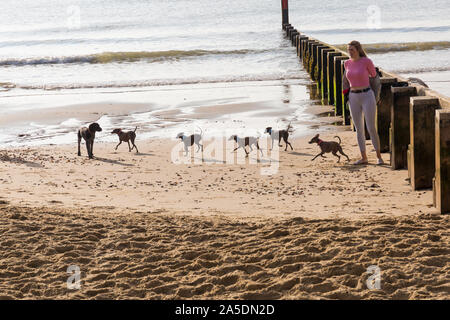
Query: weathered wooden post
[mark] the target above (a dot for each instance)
(324, 75)
(421, 164)
(345, 106)
(301, 45)
(330, 78)
(288, 29)
(320, 48)
(338, 97)
(309, 55)
(441, 185)
(384, 112)
(294, 33)
(284, 12)
(399, 135)
(314, 47)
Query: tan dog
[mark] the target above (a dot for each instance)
(126, 136)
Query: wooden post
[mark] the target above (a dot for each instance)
(384, 112)
(284, 12)
(338, 98)
(320, 48)
(309, 52)
(301, 46)
(324, 75)
(314, 61)
(441, 190)
(330, 79)
(400, 125)
(421, 164)
(288, 29)
(345, 106)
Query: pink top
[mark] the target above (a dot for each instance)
(358, 72)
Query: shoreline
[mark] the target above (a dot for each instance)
(242, 110)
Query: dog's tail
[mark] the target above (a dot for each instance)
(339, 139)
(201, 131)
(289, 128)
(135, 130)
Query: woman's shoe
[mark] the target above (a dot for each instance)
(361, 161)
(380, 161)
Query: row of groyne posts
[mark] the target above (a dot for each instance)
(413, 122)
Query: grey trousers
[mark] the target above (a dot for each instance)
(364, 103)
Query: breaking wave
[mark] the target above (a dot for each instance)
(127, 56)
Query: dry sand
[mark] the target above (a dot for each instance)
(139, 226)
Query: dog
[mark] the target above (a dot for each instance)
(280, 134)
(126, 136)
(190, 140)
(88, 134)
(244, 142)
(328, 146)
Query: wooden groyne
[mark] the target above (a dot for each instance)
(413, 121)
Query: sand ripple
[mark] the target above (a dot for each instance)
(128, 256)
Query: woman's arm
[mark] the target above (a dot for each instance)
(371, 68)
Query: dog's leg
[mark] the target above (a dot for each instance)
(88, 148)
(129, 147)
(287, 143)
(279, 141)
(92, 148)
(119, 144)
(290, 145)
(342, 152)
(320, 154)
(79, 143)
(257, 146)
(134, 145)
(272, 145)
(335, 154)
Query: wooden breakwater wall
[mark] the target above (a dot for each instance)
(413, 121)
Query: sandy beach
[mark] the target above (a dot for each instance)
(140, 226)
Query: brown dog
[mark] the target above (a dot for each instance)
(88, 134)
(328, 146)
(126, 136)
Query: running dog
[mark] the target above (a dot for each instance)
(274, 134)
(328, 146)
(190, 140)
(126, 136)
(244, 142)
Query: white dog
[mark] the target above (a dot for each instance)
(190, 140)
(243, 142)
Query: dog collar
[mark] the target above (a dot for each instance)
(319, 142)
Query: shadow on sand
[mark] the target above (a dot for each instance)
(5, 157)
(114, 162)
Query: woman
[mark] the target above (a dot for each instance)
(362, 100)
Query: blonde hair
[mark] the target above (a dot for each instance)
(358, 47)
